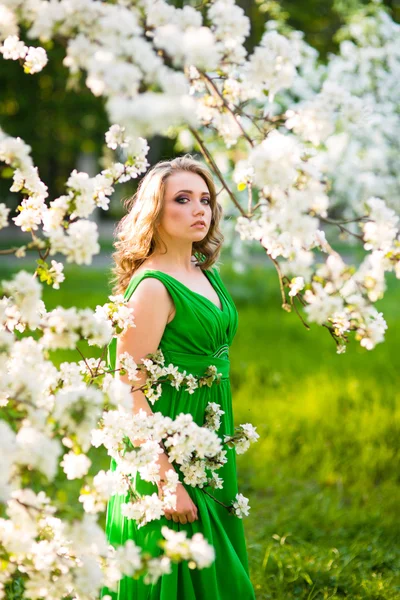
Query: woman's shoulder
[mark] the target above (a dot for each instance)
(147, 281)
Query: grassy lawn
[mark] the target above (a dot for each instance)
(323, 480)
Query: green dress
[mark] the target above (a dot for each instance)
(199, 335)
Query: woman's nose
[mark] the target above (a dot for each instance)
(199, 209)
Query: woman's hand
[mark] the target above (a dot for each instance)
(185, 511)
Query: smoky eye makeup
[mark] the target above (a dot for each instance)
(179, 198)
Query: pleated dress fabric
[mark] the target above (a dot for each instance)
(199, 335)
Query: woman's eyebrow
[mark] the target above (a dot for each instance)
(191, 192)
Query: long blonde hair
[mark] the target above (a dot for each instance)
(136, 235)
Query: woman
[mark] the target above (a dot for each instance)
(182, 307)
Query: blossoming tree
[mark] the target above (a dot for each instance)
(295, 135)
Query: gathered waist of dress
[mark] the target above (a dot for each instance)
(197, 364)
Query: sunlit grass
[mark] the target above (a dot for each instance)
(323, 478)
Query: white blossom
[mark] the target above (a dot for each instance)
(37, 450)
(35, 60)
(4, 212)
(8, 22)
(115, 137)
(12, 48)
(241, 506)
(272, 65)
(79, 244)
(56, 273)
(25, 292)
(382, 229)
(8, 447)
(75, 466)
(147, 509)
(296, 285)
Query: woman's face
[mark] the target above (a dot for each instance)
(186, 201)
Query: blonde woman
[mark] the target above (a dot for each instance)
(166, 247)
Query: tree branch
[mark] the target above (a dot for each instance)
(342, 228)
(215, 168)
(216, 90)
(285, 305)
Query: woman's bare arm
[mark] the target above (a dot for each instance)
(152, 305)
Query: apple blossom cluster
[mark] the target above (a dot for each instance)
(54, 414)
(35, 59)
(64, 222)
(22, 307)
(149, 507)
(136, 45)
(197, 451)
(241, 506)
(193, 549)
(242, 438)
(154, 367)
(291, 199)
(348, 109)
(59, 559)
(291, 119)
(342, 301)
(118, 313)
(361, 155)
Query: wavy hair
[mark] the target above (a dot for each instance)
(136, 233)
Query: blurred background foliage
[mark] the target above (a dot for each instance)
(65, 124)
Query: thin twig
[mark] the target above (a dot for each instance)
(252, 119)
(85, 361)
(215, 88)
(214, 498)
(292, 302)
(256, 206)
(215, 168)
(34, 240)
(100, 359)
(343, 222)
(331, 331)
(281, 285)
(344, 229)
(9, 250)
(27, 506)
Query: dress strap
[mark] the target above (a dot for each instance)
(136, 279)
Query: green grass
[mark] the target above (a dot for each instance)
(323, 480)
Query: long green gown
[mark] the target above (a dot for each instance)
(199, 335)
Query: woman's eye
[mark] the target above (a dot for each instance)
(182, 199)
